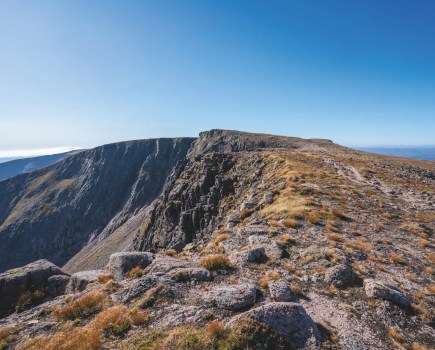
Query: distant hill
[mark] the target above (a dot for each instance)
(25, 165)
(423, 153)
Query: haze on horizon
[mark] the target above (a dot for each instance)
(87, 73)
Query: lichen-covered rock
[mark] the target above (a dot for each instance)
(280, 291)
(134, 288)
(234, 298)
(289, 321)
(163, 264)
(272, 249)
(196, 274)
(122, 262)
(29, 278)
(386, 291)
(80, 280)
(56, 285)
(340, 276)
(255, 255)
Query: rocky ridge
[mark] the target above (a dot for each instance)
(256, 242)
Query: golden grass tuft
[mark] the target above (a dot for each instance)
(170, 252)
(103, 279)
(135, 272)
(86, 305)
(270, 276)
(215, 262)
(393, 333)
(314, 218)
(221, 238)
(359, 244)
(395, 258)
(286, 239)
(290, 223)
(335, 237)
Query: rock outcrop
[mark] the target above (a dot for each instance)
(29, 279)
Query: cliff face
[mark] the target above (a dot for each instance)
(56, 211)
(222, 168)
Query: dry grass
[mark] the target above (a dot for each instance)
(359, 244)
(103, 279)
(86, 305)
(270, 276)
(135, 272)
(289, 267)
(68, 338)
(395, 258)
(431, 289)
(221, 238)
(286, 240)
(152, 295)
(215, 262)
(335, 237)
(290, 223)
(416, 346)
(170, 252)
(245, 213)
(314, 218)
(331, 226)
(424, 243)
(393, 333)
(7, 336)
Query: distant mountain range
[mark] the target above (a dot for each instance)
(19, 166)
(416, 152)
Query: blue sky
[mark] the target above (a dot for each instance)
(85, 73)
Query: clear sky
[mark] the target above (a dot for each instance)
(84, 73)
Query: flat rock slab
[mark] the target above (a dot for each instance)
(29, 278)
(163, 264)
(122, 262)
(233, 244)
(253, 230)
(386, 291)
(287, 320)
(134, 288)
(233, 297)
(273, 250)
(280, 291)
(80, 280)
(195, 274)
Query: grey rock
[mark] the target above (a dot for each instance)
(340, 276)
(234, 297)
(253, 230)
(289, 321)
(233, 244)
(196, 274)
(80, 280)
(122, 262)
(56, 285)
(272, 249)
(280, 291)
(163, 264)
(29, 278)
(386, 291)
(256, 255)
(135, 288)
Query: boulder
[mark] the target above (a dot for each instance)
(272, 249)
(122, 262)
(386, 291)
(56, 285)
(340, 276)
(80, 280)
(234, 298)
(134, 288)
(280, 291)
(287, 320)
(196, 274)
(29, 278)
(256, 255)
